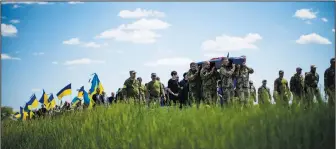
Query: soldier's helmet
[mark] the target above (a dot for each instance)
(281, 72)
(312, 66)
(132, 72)
(298, 68)
(251, 82)
(264, 81)
(332, 60)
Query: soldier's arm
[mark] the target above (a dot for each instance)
(275, 85)
(225, 72)
(259, 92)
(325, 79)
(317, 78)
(123, 91)
(269, 93)
(250, 70)
(291, 84)
(191, 76)
(204, 74)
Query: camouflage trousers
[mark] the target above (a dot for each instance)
(243, 96)
(253, 98)
(281, 99)
(153, 99)
(226, 96)
(330, 92)
(133, 99)
(312, 93)
(298, 98)
(209, 95)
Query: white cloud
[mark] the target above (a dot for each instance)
(83, 61)
(308, 22)
(231, 43)
(324, 19)
(312, 38)
(16, 6)
(72, 41)
(55, 62)
(140, 13)
(75, 2)
(15, 21)
(137, 32)
(305, 14)
(8, 30)
(172, 61)
(7, 57)
(38, 53)
(36, 90)
(333, 30)
(94, 45)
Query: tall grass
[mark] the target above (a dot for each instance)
(127, 126)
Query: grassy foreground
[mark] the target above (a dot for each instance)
(124, 126)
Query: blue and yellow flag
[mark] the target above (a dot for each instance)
(17, 115)
(23, 114)
(95, 83)
(32, 103)
(75, 101)
(64, 92)
(44, 99)
(87, 99)
(80, 92)
(52, 102)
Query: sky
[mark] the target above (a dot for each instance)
(49, 45)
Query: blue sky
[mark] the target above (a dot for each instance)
(48, 45)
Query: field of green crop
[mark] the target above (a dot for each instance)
(127, 126)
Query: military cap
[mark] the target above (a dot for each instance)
(281, 71)
(332, 60)
(132, 71)
(251, 82)
(263, 81)
(312, 66)
(298, 68)
(139, 78)
(153, 74)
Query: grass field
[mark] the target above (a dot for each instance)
(126, 126)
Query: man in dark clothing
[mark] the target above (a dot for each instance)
(173, 87)
(184, 89)
(112, 98)
(98, 98)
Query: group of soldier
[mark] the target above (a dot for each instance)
(211, 86)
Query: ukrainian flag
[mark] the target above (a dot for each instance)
(80, 92)
(23, 114)
(52, 102)
(17, 115)
(88, 100)
(32, 103)
(95, 83)
(44, 99)
(75, 101)
(64, 92)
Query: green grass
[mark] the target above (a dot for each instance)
(126, 126)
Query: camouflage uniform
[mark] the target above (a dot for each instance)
(209, 85)
(329, 82)
(194, 83)
(155, 91)
(131, 89)
(143, 93)
(227, 82)
(243, 84)
(264, 95)
(311, 87)
(281, 91)
(297, 87)
(253, 93)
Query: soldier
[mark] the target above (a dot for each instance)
(209, 79)
(264, 94)
(329, 82)
(131, 88)
(154, 90)
(243, 83)
(226, 78)
(253, 93)
(311, 85)
(142, 91)
(281, 90)
(297, 86)
(194, 83)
